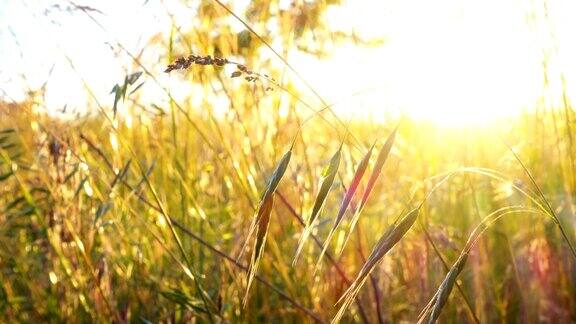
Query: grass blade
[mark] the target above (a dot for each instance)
(270, 189)
(278, 173)
(362, 166)
(382, 157)
(438, 301)
(121, 174)
(545, 200)
(6, 175)
(390, 238)
(446, 287)
(328, 176)
(262, 219)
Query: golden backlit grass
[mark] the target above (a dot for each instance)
(189, 211)
(143, 220)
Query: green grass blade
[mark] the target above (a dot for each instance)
(446, 287)
(262, 220)
(380, 161)
(362, 166)
(328, 176)
(390, 238)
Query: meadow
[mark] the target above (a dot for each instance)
(277, 210)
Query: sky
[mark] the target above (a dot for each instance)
(35, 47)
(448, 61)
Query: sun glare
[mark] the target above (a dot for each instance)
(174, 160)
(456, 63)
(450, 62)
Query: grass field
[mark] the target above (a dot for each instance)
(187, 213)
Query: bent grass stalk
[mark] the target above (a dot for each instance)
(550, 210)
(433, 309)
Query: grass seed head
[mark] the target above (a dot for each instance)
(390, 238)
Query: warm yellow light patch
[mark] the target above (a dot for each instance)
(53, 277)
(454, 63)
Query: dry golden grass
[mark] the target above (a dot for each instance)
(179, 213)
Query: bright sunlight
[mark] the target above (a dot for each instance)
(447, 61)
(453, 63)
(287, 161)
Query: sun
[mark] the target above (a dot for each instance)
(453, 63)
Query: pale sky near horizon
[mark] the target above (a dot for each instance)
(33, 45)
(459, 61)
